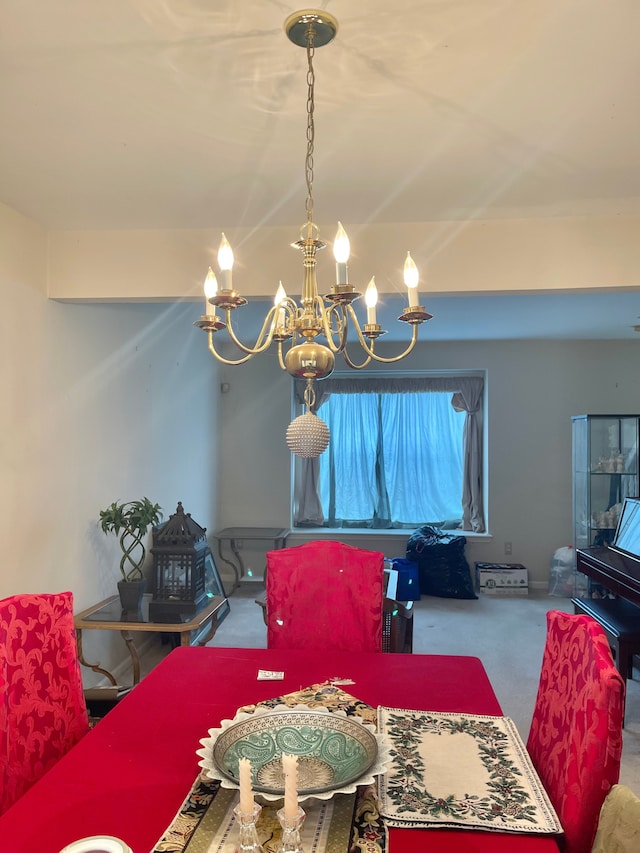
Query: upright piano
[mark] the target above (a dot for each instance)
(616, 568)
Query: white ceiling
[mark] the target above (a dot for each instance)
(191, 114)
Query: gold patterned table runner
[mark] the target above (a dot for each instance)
(460, 770)
(206, 824)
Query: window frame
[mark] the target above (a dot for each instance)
(470, 390)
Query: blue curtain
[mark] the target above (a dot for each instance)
(394, 459)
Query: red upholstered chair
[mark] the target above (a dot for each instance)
(575, 741)
(42, 708)
(324, 595)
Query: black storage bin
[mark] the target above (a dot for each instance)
(442, 566)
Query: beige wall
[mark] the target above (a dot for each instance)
(466, 257)
(99, 403)
(533, 389)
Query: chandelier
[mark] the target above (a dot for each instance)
(296, 326)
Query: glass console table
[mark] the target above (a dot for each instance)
(188, 628)
(236, 535)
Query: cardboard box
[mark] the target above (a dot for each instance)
(502, 579)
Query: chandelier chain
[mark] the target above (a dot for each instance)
(311, 79)
(309, 395)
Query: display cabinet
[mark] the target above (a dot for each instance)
(605, 471)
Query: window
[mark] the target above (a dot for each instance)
(403, 452)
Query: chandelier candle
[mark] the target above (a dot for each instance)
(210, 289)
(411, 277)
(341, 250)
(280, 297)
(225, 262)
(371, 299)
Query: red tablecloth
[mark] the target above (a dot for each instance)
(130, 774)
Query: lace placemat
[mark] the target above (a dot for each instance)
(460, 770)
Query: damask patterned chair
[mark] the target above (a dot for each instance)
(575, 741)
(42, 707)
(324, 595)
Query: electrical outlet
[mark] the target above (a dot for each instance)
(508, 548)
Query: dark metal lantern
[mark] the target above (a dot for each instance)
(179, 553)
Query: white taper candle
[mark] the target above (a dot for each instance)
(290, 768)
(246, 793)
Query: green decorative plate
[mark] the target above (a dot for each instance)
(332, 750)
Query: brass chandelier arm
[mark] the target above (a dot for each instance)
(369, 349)
(352, 364)
(214, 352)
(342, 327)
(283, 366)
(290, 307)
(263, 341)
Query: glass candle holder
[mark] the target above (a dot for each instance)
(247, 821)
(291, 826)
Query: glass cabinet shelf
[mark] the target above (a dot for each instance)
(605, 472)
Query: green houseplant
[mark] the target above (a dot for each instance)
(130, 520)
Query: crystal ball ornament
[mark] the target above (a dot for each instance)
(307, 436)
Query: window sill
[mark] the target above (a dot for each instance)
(371, 532)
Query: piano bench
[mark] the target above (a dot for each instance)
(621, 622)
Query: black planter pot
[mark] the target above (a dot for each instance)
(131, 593)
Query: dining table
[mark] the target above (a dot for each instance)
(130, 774)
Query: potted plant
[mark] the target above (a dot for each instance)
(131, 521)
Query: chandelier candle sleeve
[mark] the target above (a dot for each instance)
(280, 296)
(411, 278)
(341, 251)
(210, 289)
(225, 262)
(246, 793)
(290, 768)
(371, 299)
